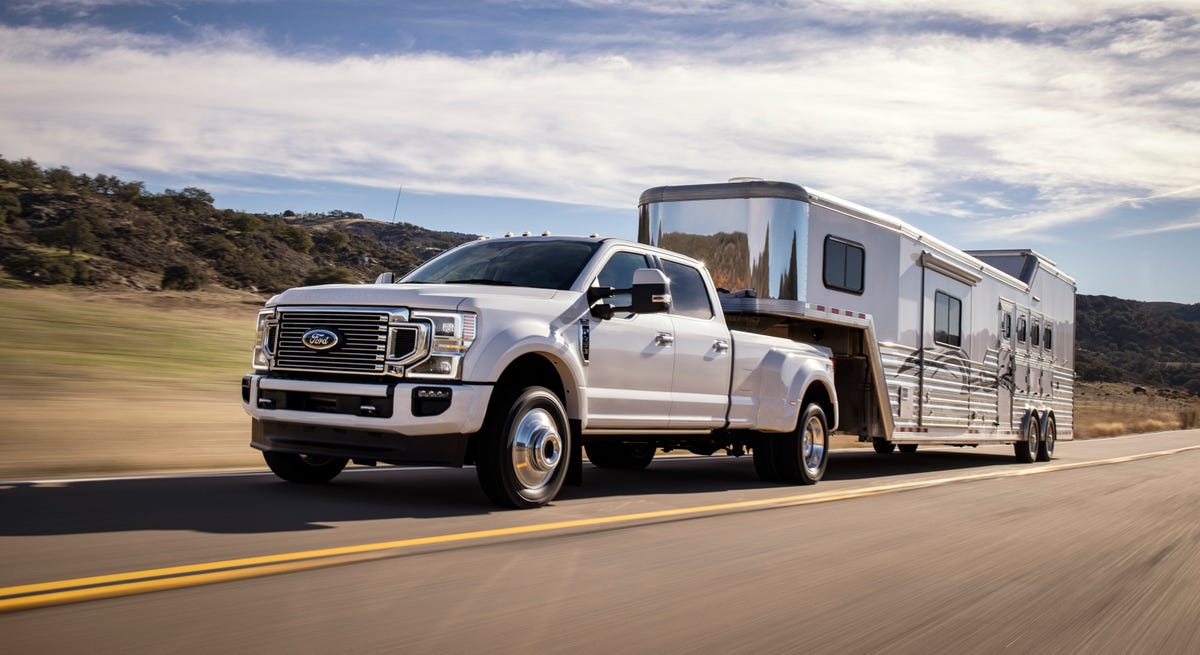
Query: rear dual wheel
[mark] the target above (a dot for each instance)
(797, 458)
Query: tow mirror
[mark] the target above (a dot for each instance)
(599, 293)
(385, 278)
(651, 291)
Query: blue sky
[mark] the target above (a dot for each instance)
(1069, 127)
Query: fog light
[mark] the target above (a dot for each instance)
(431, 401)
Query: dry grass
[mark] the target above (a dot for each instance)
(102, 382)
(1109, 410)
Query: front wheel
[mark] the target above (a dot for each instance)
(305, 469)
(801, 457)
(523, 450)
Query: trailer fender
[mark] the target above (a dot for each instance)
(1031, 416)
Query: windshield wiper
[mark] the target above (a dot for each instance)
(479, 280)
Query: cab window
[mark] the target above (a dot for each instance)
(689, 295)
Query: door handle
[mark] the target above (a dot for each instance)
(721, 346)
(664, 339)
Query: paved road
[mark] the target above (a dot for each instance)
(945, 551)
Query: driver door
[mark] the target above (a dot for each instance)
(632, 359)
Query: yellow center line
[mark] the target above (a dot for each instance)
(60, 592)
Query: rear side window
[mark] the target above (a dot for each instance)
(689, 296)
(844, 262)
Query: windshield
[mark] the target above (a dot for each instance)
(542, 264)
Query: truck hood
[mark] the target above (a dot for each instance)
(425, 296)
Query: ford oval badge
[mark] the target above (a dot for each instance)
(320, 339)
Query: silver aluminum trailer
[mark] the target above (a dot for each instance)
(933, 345)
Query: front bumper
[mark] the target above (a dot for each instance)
(400, 423)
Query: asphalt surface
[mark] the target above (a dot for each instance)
(1075, 558)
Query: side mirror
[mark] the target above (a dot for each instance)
(651, 291)
(602, 311)
(595, 294)
(385, 278)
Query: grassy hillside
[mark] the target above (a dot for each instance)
(57, 227)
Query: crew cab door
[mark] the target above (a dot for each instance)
(703, 351)
(631, 358)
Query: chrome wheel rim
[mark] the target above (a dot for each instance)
(537, 449)
(1033, 442)
(813, 446)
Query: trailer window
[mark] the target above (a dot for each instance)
(1047, 341)
(844, 265)
(1036, 334)
(1021, 329)
(689, 296)
(1006, 326)
(947, 319)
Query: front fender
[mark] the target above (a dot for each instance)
(488, 360)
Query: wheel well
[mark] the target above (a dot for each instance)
(530, 370)
(817, 393)
(525, 371)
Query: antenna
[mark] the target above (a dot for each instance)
(397, 207)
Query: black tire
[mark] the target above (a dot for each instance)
(304, 469)
(801, 457)
(617, 455)
(764, 458)
(908, 449)
(523, 450)
(1026, 449)
(1045, 451)
(883, 446)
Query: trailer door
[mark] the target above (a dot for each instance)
(946, 372)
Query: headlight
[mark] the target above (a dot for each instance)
(452, 335)
(264, 339)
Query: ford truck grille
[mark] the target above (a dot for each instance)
(361, 346)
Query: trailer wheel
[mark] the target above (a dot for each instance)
(305, 469)
(1027, 448)
(523, 452)
(1045, 451)
(764, 458)
(624, 456)
(908, 448)
(883, 446)
(801, 457)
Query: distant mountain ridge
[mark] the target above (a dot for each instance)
(57, 227)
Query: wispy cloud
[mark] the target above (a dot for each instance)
(1103, 113)
(1192, 223)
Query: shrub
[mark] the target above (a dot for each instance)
(183, 277)
(330, 275)
(38, 268)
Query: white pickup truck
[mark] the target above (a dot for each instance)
(516, 354)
